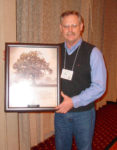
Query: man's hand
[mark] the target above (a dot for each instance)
(66, 105)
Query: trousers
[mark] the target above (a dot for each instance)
(78, 124)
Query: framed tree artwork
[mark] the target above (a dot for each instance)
(32, 74)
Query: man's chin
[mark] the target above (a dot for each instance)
(71, 41)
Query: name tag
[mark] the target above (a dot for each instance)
(67, 74)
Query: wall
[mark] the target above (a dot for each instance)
(110, 47)
(8, 121)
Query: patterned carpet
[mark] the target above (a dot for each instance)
(106, 126)
(105, 130)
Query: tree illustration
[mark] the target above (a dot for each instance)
(31, 66)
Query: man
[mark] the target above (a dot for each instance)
(83, 80)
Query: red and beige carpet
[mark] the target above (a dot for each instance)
(105, 136)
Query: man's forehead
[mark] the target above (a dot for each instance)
(70, 18)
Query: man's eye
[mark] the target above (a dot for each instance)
(72, 26)
(66, 26)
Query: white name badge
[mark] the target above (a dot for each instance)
(67, 74)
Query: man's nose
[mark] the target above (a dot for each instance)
(70, 28)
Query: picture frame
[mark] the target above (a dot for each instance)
(32, 77)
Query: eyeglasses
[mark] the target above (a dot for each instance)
(68, 26)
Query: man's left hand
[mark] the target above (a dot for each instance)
(66, 105)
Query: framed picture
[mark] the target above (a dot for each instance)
(32, 77)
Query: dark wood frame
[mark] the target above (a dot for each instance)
(15, 50)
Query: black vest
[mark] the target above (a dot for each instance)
(81, 77)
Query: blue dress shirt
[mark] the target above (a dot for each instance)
(98, 78)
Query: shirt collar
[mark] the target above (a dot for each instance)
(73, 48)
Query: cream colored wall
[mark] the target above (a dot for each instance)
(14, 127)
(8, 121)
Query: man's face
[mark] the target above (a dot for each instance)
(71, 29)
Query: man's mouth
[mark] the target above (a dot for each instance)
(70, 33)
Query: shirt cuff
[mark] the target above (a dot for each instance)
(76, 100)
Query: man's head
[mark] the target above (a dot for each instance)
(71, 26)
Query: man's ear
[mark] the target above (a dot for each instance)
(81, 27)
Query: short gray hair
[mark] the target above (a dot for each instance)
(67, 13)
